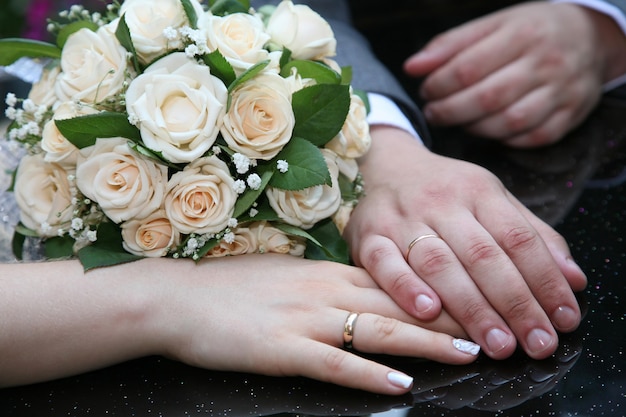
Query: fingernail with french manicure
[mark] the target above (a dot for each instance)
(423, 303)
(466, 346)
(400, 380)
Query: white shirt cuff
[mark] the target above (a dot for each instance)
(614, 13)
(383, 111)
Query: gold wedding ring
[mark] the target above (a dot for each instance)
(348, 329)
(417, 239)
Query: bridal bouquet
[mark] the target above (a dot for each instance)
(169, 128)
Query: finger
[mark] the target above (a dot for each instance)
(525, 114)
(445, 46)
(506, 261)
(559, 249)
(384, 261)
(489, 55)
(485, 98)
(436, 263)
(374, 333)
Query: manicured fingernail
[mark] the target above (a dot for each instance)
(423, 303)
(400, 380)
(565, 318)
(466, 346)
(538, 340)
(497, 340)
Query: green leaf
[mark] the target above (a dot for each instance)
(321, 73)
(156, 156)
(249, 197)
(320, 112)
(307, 166)
(107, 250)
(17, 245)
(285, 57)
(12, 49)
(191, 14)
(220, 67)
(224, 7)
(249, 74)
(364, 97)
(74, 27)
(346, 75)
(331, 247)
(265, 212)
(83, 131)
(296, 231)
(122, 33)
(59, 247)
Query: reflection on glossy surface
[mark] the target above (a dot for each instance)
(577, 186)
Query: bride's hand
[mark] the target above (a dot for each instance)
(280, 315)
(266, 314)
(497, 269)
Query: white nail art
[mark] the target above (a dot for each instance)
(399, 380)
(466, 346)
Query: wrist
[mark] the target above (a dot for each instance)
(611, 42)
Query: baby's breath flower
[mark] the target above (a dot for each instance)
(254, 181)
(253, 212)
(91, 235)
(191, 51)
(242, 163)
(232, 223)
(77, 223)
(239, 186)
(229, 237)
(11, 100)
(282, 165)
(170, 33)
(10, 113)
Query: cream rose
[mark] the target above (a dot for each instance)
(342, 216)
(273, 240)
(42, 192)
(124, 184)
(201, 198)
(57, 148)
(354, 140)
(147, 21)
(178, 106)
(93, 66)
(301, 30)
(260, 120)
(239, 37)
(244, 241)
(306, 207)
(152, 236)
(42, 92)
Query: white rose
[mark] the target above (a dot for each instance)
(58, 149)
(125, 185)
(273, 240)
(306, 207)
(201, 198)
(178, 106)
(354, 140)
(260, 120)
(152, 236)
(147, 21)
(245, 241)
(42, 92)
(240, 37)
(93, 66)
(303, 31)
(42, 192)
(342, 216)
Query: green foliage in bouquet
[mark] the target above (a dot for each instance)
(320, 109)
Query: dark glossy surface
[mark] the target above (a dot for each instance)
(578, 185)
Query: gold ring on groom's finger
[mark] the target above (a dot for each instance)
(348, 329)
(417, 239)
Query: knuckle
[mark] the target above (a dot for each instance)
(434, 261)
(466, 74)
(490, 100)
(400, 283)
(516, 120)
(374, 255)
(334, 361)
(474, 312)
(481, 251)
(518, 307)
(519, 240)
(385, 327)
